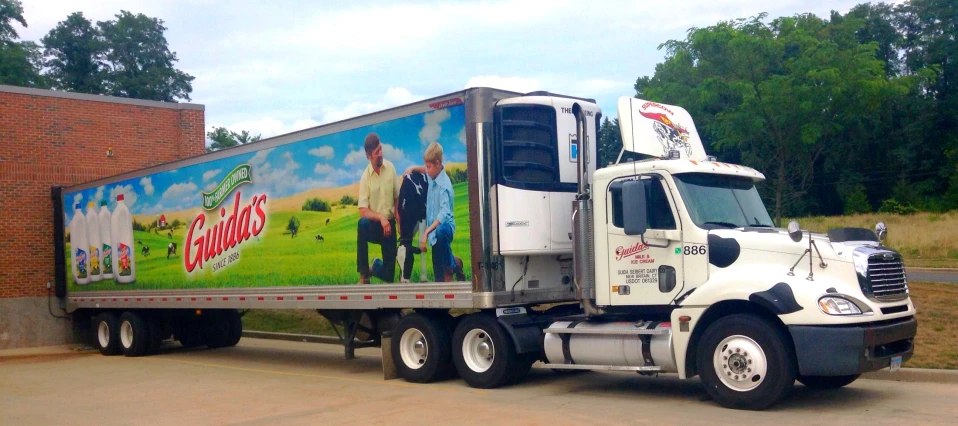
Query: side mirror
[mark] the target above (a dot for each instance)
(795, 231)
(882, 231)
(633, 205)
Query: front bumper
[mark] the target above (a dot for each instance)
(852, 349)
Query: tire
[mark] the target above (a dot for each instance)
(106, 334)
(156, 334)
(134, 334)
(421, 348)
(235, 327)
(827, 382)
(484, 354)
(764, 365)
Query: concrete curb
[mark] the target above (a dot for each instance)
(915, 375)
(43, 351)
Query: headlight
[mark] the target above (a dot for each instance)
(832, 305)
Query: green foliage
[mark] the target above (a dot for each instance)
(221, 137)
(20, 61)
(854, 198)
(293, 225)
(348, 200)
(75, 50)
(812, 101)
(610, 142)
(137, 226)
(457, 176)
(140, 62)
(894, 207)
(316, 205)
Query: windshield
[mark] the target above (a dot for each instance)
(716, 201)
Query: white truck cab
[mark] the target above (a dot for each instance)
(683, 247)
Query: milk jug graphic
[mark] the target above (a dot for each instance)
(79, 247)
(106, 253)
(121, 229)
(93, 241)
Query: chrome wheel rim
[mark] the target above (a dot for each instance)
(478, 351)
(126, 334)
(413, 348)
(740, 363)
(103, 334)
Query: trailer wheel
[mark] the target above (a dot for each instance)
(107, 334)
(235, 327)
(827, 382)
(156, 334)
(483, 353)
(421, 348)
(134, 334)
(216, 328)
(745, 362)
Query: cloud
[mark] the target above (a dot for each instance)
(323, 169)
(324, 151)
(147, 184)
(99, 194)
(269, 126)
(179, 193)
(432, 126)
(462, 135)
(390, 153)
(514, 84)
(77, 199)
(394, 96)
(210, 174)
(129, 195)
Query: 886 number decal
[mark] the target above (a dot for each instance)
(694, 250)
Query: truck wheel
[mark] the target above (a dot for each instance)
(745, 362)
(189, 334)
(134, 334)
(827, 382)
(421, 348)
(107, 334)
(483, 353)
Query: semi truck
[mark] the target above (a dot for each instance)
(663, 261)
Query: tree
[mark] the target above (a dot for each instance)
(75, 50)
(20, 62)
(293, 226)
(777, 94)
(221, 137)
(140, 64)
(176, 224)
(610, 142)
(316, 205)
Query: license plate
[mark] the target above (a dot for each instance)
(895, 364)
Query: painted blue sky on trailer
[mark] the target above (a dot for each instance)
(328, 161)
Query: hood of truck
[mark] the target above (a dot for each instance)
(777, 240)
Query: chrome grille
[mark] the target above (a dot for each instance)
(886, 277)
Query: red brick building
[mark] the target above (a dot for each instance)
(52, 138)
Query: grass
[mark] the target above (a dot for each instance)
(275, 258)
(936, 345)
(924, 239)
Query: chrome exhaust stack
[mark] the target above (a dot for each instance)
(583, 240)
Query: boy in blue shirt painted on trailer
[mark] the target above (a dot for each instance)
(439, 217)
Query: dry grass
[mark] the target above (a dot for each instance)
(924, 239)
(936, 345)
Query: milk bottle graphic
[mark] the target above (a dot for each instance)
(106, 253)
(121, 229)
(79, 247)
(93, 241)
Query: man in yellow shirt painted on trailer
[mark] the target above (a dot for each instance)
(378, 193)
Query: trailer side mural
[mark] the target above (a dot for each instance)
(286, 215)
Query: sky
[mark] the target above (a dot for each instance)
(329, 161)
(273, 67)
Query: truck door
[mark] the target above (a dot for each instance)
(647, 273)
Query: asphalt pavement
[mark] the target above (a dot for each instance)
(933, 275)
(279, 382)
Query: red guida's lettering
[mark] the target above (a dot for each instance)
(230, 231)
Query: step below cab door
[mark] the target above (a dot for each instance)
(644, 269)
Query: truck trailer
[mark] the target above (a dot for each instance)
(664, 261)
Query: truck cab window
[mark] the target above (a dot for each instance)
(658, 205)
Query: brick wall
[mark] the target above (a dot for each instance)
(52, 138)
